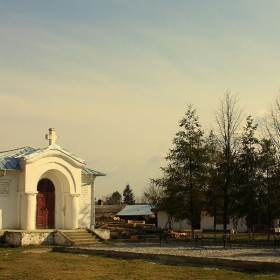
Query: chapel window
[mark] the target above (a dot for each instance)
(45, 185)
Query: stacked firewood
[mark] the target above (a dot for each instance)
(121, 229)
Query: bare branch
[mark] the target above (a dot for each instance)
(272, 122)
(228, 118)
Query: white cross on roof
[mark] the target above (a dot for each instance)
(52, 137)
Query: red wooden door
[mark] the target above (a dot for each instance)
(45, 213)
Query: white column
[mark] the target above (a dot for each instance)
(67, 212)
(75, 210)
(31, 211)
(92, 203)
(0, 218)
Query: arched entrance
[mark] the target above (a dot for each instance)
(45, 211)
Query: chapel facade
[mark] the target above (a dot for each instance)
(48, 188)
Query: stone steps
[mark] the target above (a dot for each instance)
(3, 243)
(82, 238)
(2, 237)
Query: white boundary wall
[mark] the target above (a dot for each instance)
(206, 222)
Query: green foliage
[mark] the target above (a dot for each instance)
(246, 192)
(231, 175)
(213, 193)
(128, 196)
(114, 199)
(185, 174)
(269, 178)
(257, 191)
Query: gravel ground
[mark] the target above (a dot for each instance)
(263, 254)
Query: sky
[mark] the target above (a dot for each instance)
(114, 77)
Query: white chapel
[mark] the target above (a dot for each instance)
(48, 188)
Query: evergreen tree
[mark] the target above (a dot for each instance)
(128, 196)
(246, 192)
(269, 181)
(114, 199)
(185, 174)
(213, 193)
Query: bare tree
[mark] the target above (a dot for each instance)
(153, 194)
(228, 118)
(272, 123)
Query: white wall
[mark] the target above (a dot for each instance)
(8, 202)
(162, 219)
(85, 206)
(206, 222)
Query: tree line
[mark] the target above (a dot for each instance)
(116, 198)
(232, 171)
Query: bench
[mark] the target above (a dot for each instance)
(213, 235)
(154, 233)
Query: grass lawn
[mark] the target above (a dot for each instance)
(41, 263)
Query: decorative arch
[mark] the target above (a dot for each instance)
(69, 181)
(66, 180)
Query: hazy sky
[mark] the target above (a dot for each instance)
(115, 77)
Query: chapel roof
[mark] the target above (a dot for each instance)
(36, 152)
(9, 160)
